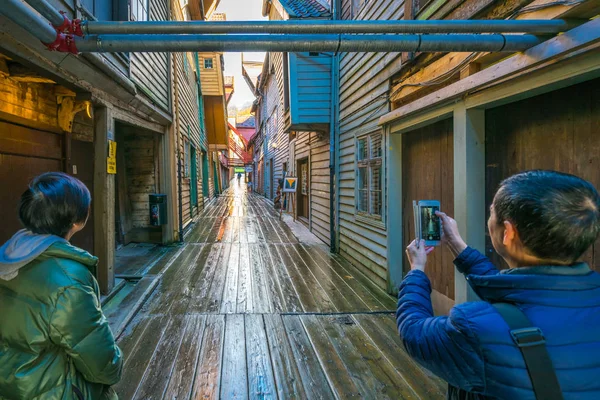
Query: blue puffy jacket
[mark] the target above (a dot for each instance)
(472, 349)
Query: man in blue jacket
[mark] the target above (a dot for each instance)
(541, 223)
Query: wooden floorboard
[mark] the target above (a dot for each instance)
(244, 310)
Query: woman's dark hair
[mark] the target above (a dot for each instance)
(53, 202)
(557, 215)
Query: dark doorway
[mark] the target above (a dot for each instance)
(303, 191)
(271, 179)
(193, 182)
(205, 188)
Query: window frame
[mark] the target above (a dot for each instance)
(138, 3)
(187, 159)
(212, 63)
(370, 163)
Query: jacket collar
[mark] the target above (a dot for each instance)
(556, 286)
(70, 252)
(570, 270)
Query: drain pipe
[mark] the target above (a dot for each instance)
(333, 189)
(59, 34)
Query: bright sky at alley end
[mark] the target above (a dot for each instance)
(241, 10)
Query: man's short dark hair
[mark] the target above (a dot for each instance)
(557, 215)
(53, 202)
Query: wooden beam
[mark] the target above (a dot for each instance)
(21, 73)
(469, 186)
(408, 86)
(104, 201)
(557, 49)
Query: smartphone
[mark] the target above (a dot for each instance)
(428, 226)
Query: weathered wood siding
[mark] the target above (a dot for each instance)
(364, 86)
(189, 128)
(150, 71)
(556, 131)
(310, 88)
(315, 147)
(427, 173)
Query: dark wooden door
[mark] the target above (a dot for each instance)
(24, 154)
(303, 190)
(427, 174)
(82, 162)
(557, 131)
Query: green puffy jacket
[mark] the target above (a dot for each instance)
(55, 343)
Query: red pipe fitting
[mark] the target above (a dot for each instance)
(73, 27)
(64, 43)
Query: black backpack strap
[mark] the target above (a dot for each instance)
(532, 344)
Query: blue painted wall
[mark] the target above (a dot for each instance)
(310, 88)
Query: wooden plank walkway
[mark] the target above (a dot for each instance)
(243, 310)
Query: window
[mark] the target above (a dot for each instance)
(369, 175)
(208, 63)
(139, 10)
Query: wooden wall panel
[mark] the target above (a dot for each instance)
(427, 174)
(557, 131)
(364, 86)
(150, 71)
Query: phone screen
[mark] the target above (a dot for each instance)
(430, 223)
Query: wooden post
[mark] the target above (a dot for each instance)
(104, 201)
(469, 185)
(394, 212)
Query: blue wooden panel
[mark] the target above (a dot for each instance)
(310, 88)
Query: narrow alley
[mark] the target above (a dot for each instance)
(244, 309)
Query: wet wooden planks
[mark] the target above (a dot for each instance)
(244, 310)
(256, 356)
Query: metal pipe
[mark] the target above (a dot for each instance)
(39, 26)
(324, 26)
(28, 19)
(48, 11)
(307, 43)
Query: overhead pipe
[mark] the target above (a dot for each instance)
(307, 43)
(56, 32)
(324, 26)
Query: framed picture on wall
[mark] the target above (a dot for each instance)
(290, 185)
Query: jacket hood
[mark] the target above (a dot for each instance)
(555, 286)
(25, 246)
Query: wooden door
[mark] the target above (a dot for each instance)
(82, 162)
(427, 174)
(24, 154)
(556, 131)
(303, 192)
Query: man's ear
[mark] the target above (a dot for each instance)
(510, 234)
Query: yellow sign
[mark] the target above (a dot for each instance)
(111, 161)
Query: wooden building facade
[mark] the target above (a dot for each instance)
(294, 117)
(61, 112)
(452, 126)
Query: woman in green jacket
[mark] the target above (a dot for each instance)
(55, 343)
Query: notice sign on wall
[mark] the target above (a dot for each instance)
(111, 161)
